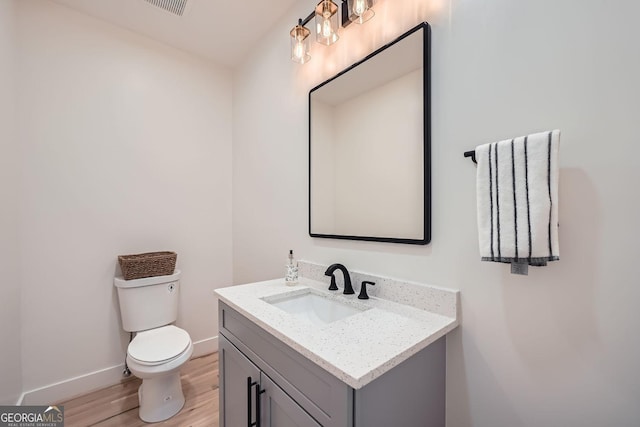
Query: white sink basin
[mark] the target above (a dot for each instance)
(314, 308)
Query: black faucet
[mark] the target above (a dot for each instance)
(348, 290)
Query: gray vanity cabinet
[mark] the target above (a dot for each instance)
(280, 410)
(298, 393)
(239, 400)
(235, 368)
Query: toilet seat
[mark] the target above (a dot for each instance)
(159, 346)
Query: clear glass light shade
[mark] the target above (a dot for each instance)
(300, 44)
(360, 11)
(327, 22)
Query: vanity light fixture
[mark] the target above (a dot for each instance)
(360, 11)
(328, 22)
(300, 43)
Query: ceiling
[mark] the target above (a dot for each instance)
(221, 30)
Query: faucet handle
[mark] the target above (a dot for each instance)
(333, 286)
(363, 289)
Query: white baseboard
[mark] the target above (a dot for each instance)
(54, 393)
(205, 346)
(63, 390)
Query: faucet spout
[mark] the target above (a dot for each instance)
(348, 289)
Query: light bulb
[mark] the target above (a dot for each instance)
(359, 7)
(298, 51)
(361, 11)
(326, 28)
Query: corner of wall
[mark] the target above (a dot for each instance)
(10, 329)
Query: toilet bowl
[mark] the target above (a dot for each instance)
(156, 356)
(149, 307)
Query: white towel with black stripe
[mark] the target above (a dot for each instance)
(517, 194)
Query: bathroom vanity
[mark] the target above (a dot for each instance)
(305, 356)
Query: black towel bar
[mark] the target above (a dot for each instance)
(471, 154)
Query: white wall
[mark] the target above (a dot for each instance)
(126, 148)
(10, 365)
(558, 347)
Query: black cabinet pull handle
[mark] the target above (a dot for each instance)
(258, 392)
(249, 386)
(258, 405)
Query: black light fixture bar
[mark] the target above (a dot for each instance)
(344, 21)
(306, 20)
(345, 14)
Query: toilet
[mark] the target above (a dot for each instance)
(149, 307)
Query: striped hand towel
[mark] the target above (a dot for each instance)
(517, 194)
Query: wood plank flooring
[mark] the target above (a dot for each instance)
(117, 406)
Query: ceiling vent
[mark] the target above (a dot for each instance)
(176, 7)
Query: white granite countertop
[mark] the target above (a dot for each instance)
(356, 349)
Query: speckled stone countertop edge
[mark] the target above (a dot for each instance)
(424, 329)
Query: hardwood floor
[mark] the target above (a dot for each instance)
(117, 406)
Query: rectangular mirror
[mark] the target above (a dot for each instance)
(369, 147)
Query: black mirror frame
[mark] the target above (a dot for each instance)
(427, 140)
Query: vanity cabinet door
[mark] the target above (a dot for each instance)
(236, 396)
(280, 410)
(327, 399)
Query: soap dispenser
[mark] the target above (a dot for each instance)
(291, 276)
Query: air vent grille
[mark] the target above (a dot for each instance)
(177, 7)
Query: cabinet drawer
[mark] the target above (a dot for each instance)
(322, 395)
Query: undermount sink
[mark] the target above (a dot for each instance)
(315, 308)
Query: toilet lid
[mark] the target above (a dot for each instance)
(158, 345)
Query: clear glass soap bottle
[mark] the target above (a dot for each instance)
(291, 276)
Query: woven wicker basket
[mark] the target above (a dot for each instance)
(149, 264)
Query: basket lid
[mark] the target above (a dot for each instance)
(158, 345)
(119, 281)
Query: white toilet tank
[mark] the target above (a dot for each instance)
(149, 302)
